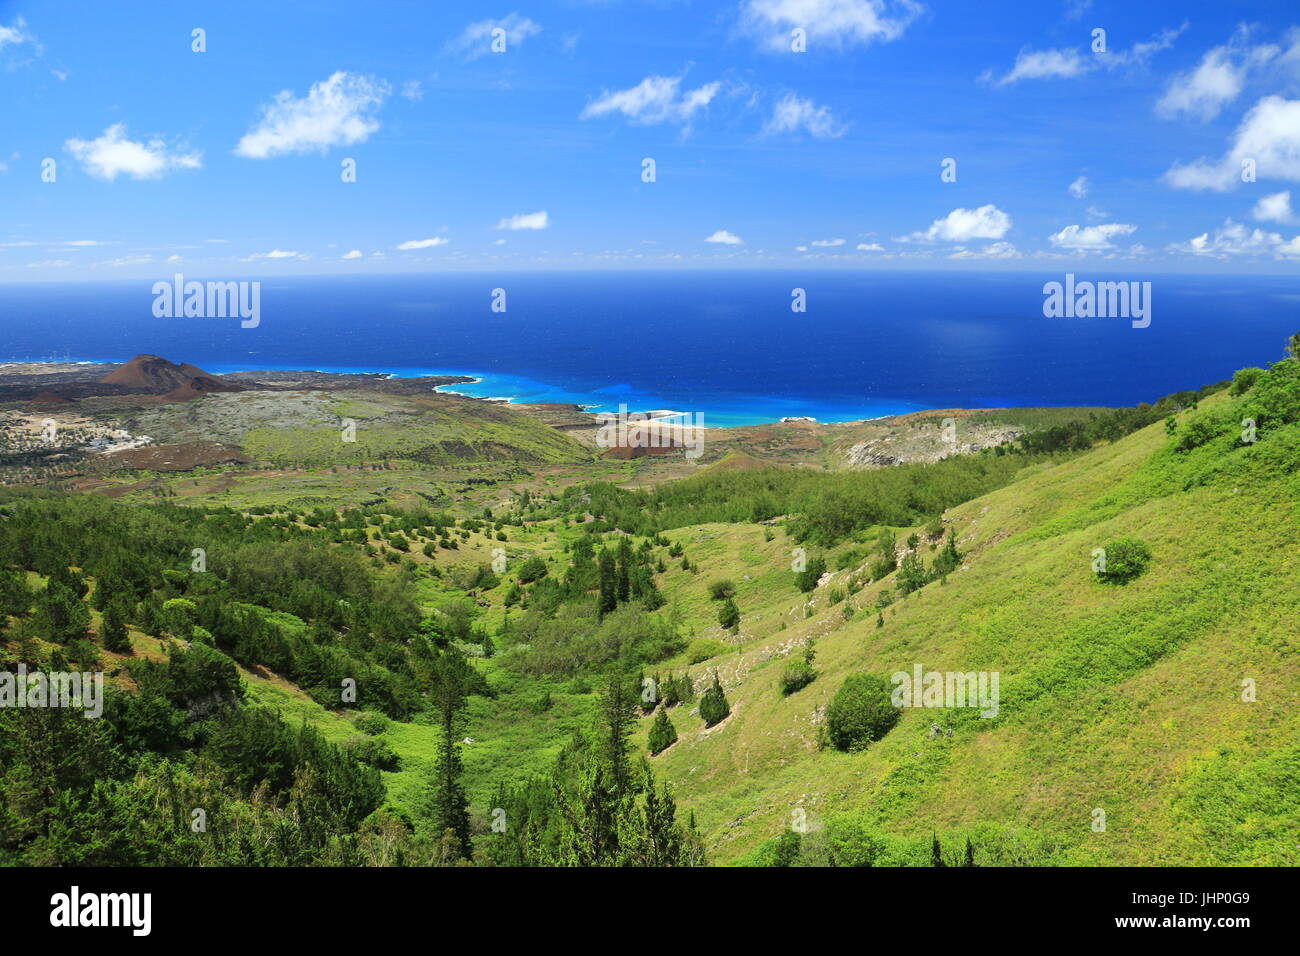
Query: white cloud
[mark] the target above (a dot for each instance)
(962, 225)
(1275, 208)
(14, 35)
(1269, 135)
(173, 258)
(792, 114)
(112, 155)
(1041, 64)
(412, 90)
(354, 254)
(869, 247)
(996, 250)
(335, 112)
(273, 254)
(656, 99)
(49, 264)
(1083, 238)
(1235, 239)
(1096, 212)
(1201, 93)
(834, 23)
(827, 242)
(410, 244)
(1079, 188)
(725, 238)
(476, 39)
(127, 261)
(532, 220)
(1068, 62)
(83, 242)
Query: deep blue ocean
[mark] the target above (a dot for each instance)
(724, 344)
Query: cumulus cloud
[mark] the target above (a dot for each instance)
(869, 247)
(656, 99)
(476, 39)
(1269, 135)
(335, 112)
(1234, 239)
(725, 238)
(354, 254)
(531, 220)
(410, 244)
(833, 23)
(1079, 188)
(962, 225)
(1201, 93)
(1275, 208)
(793, 114)
(827, 242)
(112, 155)
(1084, 238)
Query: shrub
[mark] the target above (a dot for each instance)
(662, 733)
(799, 674)
(371, 722)
(860, 712)
(713, 704)
(531, 570)
(1244, 379)
(721, 590)
(729, 615)
(807, 579)
(1125, 559)
(702, 648)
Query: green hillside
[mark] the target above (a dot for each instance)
(511, 653)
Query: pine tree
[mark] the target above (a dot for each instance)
(713, 704)
(662, 732)
(936, 858)
(729, 615)
(447, 804)
(617, 716)
(113, 632)
(608, 587)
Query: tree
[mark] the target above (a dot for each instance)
(1125, 559)
(807, 579)
(608, 585)
(729, 615)
(722, 589)
(662, 732)
(860, 712)
(616, 722)
(713, 704)
(61, 616)
(450, 679)
(936, 858)
(113, 633)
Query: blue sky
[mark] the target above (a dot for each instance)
(228, 162)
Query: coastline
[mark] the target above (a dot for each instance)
(735, 411)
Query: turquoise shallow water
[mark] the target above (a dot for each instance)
(722, 344)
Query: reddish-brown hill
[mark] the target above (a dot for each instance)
(155, 374)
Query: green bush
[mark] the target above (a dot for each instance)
(713, 704)
(1244, 380)
(722, 589)
(807, 579)
(860, 712)
(729, 615)
(702, 648)
(1125, 559)
(371, 722)
(799, 674)
(662, 733)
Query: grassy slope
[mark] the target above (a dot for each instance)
(1124, 698)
